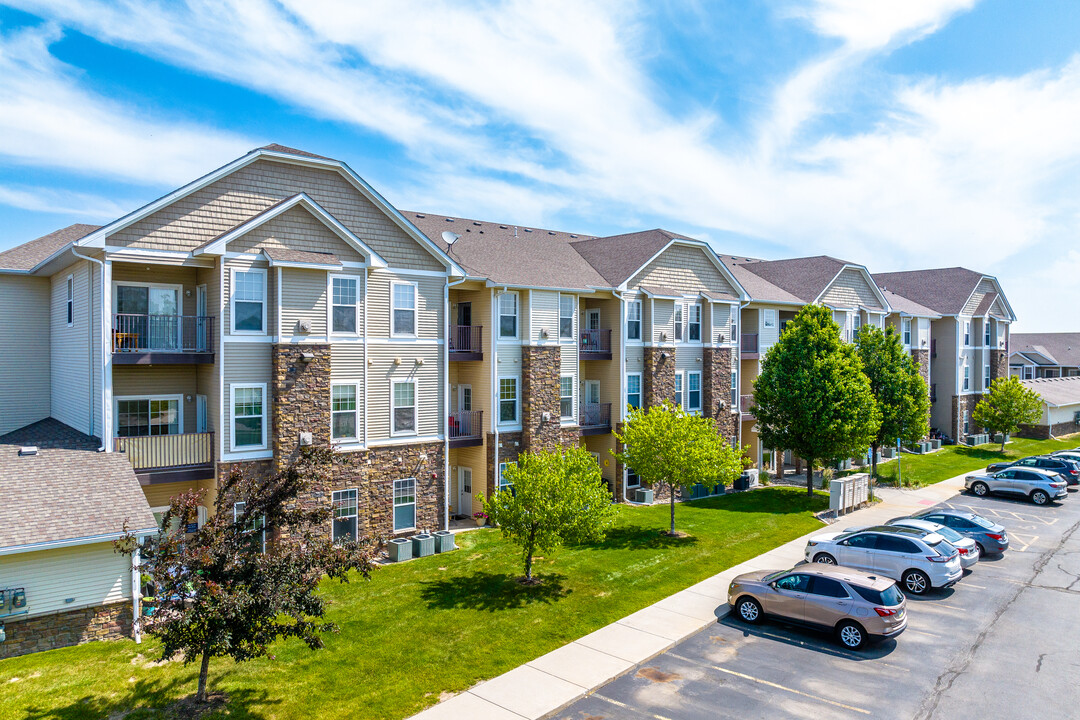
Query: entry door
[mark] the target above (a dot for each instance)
(590, 409)
(592, 319)
(464, 491)
(201, 330)
(200, 413)
(164, 318)
(464, 313)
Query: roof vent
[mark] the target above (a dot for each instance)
(449, 219)
(573, 236)
(527, 230)
(550, 233)
(28, 450)
(476, 224)
(420, 216)
(503, 227)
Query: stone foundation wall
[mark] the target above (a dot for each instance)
(960, 404)
(75, 627)
(999, 364)
(1044, 432)
(922, 361)
(540, 370)
(301, 392)
(658, 376)
(716, 392)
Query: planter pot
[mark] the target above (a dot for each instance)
(400, 549)
(423, 545)
(480, 522)
(444, 541)
(148, 610)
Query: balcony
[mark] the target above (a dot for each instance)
(466, 428)
(162, 339)
(748, 346)
(745, 402)
(466, 342)
(594, 418)
(169, 458)
(596, 344)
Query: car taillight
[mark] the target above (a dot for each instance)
(886, 612)
(994, 536)
(963, 551)
(937, 558)
(1057, 485)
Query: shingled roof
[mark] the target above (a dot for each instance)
(30, 254)
(618, 257)
(1059, 392)
(1062, 348)
(903, 305)
(944, 290)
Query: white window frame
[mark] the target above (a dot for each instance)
(627, 472)
(355, 412)
(735, 390)
(335, 501)
(986, 377)
(678, 322)
(236, 516)
(233, 301)
(987, 340)
(639, 393)
(967, 378)
(69, 287)
(967, 333)
(179, 398)
(768, 318)
(571, 317)
(690, 375)
(905, 331)
(357, 280)
(856, 323)
(562, 397)
(734, 339)
(415, 309)
(1028, 372)
(517, 399)
(232, 416)
(500, 481)
(690, 309)
(395, 505)
(500, 314)
(680, 389)
(631, 307)
(415, 406)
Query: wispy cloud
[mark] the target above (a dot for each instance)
(83, 206)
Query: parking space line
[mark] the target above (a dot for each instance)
(624, 706)
(824, 648)
(767, 683)
(973, 585)
(922, 632)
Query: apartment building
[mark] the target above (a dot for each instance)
(1044, 355)
(969, 340)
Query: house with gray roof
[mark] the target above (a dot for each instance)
(1044, 355)
(1060, 413)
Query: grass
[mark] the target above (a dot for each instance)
(433, 625)
(953, 460)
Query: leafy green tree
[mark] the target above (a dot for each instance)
(812, 396)
(218, 594)
(667, 446)
(1007, 406)
(554, 497)
(899, 390)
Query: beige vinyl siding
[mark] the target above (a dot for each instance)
(686, 269)
(141, 273)
(985, 287)
(271, 293)
(144, 380)
(477, 375)
(71, 365)
(429, 304)
(923, 325)
(25, 307)
(634, 360)
(767, 337)
(430, 410)
(246, 363)
(544, 315)
(568, 365)
(850, 289)
(509, 358)
(304, 296)
(721, 323)
(295, 229)
(688, 359)
(474, 458)
(347, 366)
(89, 574)
(222, 205)
(604, 445)
(943, 372)
(663, 320)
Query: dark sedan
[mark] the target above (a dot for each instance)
(989, 537)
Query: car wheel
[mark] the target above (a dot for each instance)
(825, 559)
(916, 582)
(851, 635)
(749, 610)
(980, 489)
(980, 550)
(1039, 497)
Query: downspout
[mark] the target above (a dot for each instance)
(622, 378)
(90, 293)
(495, 384)
(446, 400)
(136, 594)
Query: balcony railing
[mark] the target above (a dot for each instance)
(186, 451)
(596, 343)
(748, 343)
(465, 428)
(594, 418)
(745, 403)
(466, 342)
(933, 348)
(134, 333)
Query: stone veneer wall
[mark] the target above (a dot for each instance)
(64, 629)
(716, 391)
(960, 404)
(658, 377)
(1044, 432)
(301, 399)
(540, 370)
(999, 364)
(510, 446)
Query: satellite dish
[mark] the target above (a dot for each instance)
(449, 237)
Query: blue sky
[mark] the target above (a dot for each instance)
(898, 134)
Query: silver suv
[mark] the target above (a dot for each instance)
(1038, 485)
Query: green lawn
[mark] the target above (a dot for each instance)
(953, 460)
(438, 624)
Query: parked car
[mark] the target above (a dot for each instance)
(990, 537)
(969, 551)
(917, 561)
(1073, 455)
(857, 607)
(1066, 468)
(1037, 484)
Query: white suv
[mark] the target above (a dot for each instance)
(916, 560)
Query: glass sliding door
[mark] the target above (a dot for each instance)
(164, 318)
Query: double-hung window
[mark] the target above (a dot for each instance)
(768, 319)
(693, 392)
(256, 529)
(856, 324)
(566, 317)
(403, 318)
(632, 479)
(967, 333)
(404, 504)
(504, 482)
(734, 331)
(403, 394)
(693, 323)
(967, 377)
(905, 330)
(633, 320)
(678, 321)
(249, 301)
(345, 515)
(678, 389)
(633, 390)
(566, 397)
(986, 377)
(508, 400)
(343, 411)
(734, 390)
(343, 304)
(508, 315)
(986, 332)
(249, 417)
(70, 300)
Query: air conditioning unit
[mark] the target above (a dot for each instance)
(643, 495)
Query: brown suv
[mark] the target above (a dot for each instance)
(855, 605)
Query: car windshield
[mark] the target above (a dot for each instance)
(949, 534)
(889, 596)
(772, 576)
(981, 521)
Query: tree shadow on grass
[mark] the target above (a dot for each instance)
(771, 500)
(637, 537)
(492, 591)
(983, 453)
(156, 700)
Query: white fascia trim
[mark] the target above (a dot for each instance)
(166, 257)
(254, 455)
(869, 281)
(410, 440)
(72, 542)
(659, 296)
(408, 271)
(303, 265)
(709, 253)
(552, 288)
(1001, 296)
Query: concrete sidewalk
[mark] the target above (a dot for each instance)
(551, 682)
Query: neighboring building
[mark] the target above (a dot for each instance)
(969, 341)
(1060, 410)
(1044, 355)
(63, 503)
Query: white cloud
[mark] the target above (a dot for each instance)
(84, 206)
(873, 24)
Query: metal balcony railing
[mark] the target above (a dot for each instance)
(748, 343)
(594, 415)
(466, 425)
(596, 342)
(159, 452)
(745, 402)
(134, 333)
(466, 338)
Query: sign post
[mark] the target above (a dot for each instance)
(899, 471)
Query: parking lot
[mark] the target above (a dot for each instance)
(1002, 643)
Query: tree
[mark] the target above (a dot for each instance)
(897, 387)
(812, 396)
(552, 498)
(1007, 406)
(219, 594)
(667, 446)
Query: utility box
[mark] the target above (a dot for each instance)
(644, 496)
(399, 549)
(423, 545)
(444, 541)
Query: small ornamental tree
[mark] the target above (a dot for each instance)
(667, 446)
(897, 387)
(812, 396)
(551, 498)
(1007, 406)
(219, 594)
